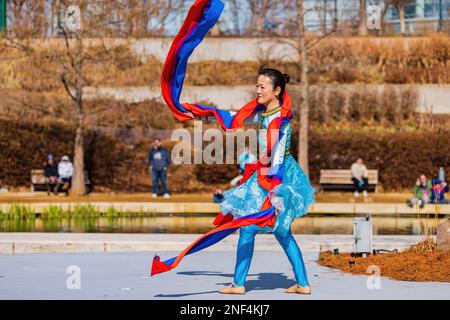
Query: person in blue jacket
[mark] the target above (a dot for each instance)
(438, 192)
(158, 161)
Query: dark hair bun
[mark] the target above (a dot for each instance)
(278, 79)
(261, 69)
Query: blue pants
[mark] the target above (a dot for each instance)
(245, 253)
(159, 175)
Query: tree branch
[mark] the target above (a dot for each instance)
(66, 86)
(316, 41)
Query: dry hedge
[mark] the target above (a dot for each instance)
(400, 156)
(333, 60)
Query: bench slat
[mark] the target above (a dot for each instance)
(344, 176)
(344, 171)
(38, 177)
(343, 182)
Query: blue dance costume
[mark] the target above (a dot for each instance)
(291, 199)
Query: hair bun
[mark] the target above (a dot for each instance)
(261, 69)
(286, 77)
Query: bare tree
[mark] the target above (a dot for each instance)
(29, 15)
(304, 46)
(72, 55)
(399, 5)
(235, 14)
(164, 9)
(362, 29)
(304, 111)
(267, 15)
(258, 9)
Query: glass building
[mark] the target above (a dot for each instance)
(321, 15)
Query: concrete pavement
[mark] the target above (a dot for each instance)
(198, 277)
(105, 274)
(22, 243)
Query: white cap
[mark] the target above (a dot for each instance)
(65, 158)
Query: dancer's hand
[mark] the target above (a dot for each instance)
(190, 114)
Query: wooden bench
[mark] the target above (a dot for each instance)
(342, 180)
(39, 182)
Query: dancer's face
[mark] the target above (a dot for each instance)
(264, 90)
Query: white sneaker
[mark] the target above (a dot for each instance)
(356, 194)
(365, 194)
(166, 196)
(154, 195)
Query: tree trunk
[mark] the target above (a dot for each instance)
(304, 103)
(362, 30)
(258, 11)
(78, 186)
(401, 12)
(383, 13)
(235, 10)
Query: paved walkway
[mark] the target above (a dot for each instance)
(21, 243)
(125, 275)
(198, 277)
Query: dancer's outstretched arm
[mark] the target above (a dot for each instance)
(253, 119)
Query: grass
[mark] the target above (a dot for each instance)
(54, 212)
(89, 211)
(17, 212)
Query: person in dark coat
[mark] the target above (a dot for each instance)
(158, 161)
(51, 174)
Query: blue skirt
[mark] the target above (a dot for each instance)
(291, 198)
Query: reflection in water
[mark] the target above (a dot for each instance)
(195, 224)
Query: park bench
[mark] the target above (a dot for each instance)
(38, 181)
(342, 180)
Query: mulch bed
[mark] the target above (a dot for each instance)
(421, 262)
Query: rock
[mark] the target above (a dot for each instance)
(443, 235)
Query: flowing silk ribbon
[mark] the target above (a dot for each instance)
(200, 19)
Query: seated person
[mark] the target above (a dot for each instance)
(422, 192)
(438, 190)
(65, 172)
(360, 178)
(51, 173)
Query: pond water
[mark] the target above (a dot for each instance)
(329, 224)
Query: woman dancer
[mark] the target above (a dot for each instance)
(274, 190)
(291, 198)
